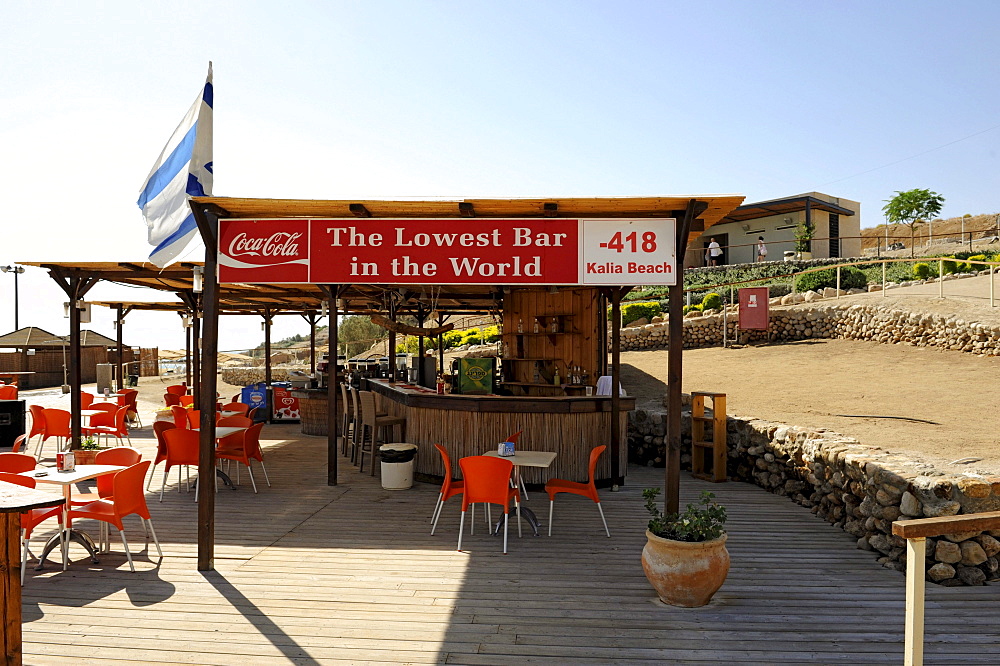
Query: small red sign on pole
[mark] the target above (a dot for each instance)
(754, 314)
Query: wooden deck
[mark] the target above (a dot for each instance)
(311, 574)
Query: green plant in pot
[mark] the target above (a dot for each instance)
(803, 239)
(87, 453)
(685, 557)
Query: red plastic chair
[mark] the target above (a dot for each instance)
(236, 407)
(182, 450)
(19, 443)
(159, 427)
(57, 424)
(37, 422)
(234, 422)
(449, 487)
(194, 418)
(31, 518)
(169, 399)
(122, 456)
(8, 392)
(252, 435)
(187, 400)
(127, 498)
(86, 400)
(15, 463)
(118, 427)
(128, 399)
(177, 389)
(487, 479)
(239, 447)
(180, 417)
(588, 489)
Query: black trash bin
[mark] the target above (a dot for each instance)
(11, 421)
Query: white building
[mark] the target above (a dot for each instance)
(837, 230)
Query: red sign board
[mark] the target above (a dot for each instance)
(753, 309)
(448, 251)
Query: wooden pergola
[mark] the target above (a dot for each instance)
(694, 214)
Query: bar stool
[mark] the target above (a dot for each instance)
(373, 429)
(347, 420)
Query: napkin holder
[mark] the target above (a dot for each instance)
(505, 449)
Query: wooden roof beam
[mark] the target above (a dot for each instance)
(359, 210)
(550, 209)
(465, 209)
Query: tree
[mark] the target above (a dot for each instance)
(357, 333)
(912, 208)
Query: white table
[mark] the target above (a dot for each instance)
(224, 431)
(66, 480)
(220, 432)
(526, 459)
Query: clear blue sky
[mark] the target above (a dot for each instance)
(472, 99)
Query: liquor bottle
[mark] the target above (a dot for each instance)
(554, 328)
(555, 378)
(536, 326)
(520, 326)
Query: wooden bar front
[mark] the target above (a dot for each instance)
(468, 425)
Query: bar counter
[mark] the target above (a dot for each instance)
(474, 424)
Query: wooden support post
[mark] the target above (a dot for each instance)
(187, 352)
(913, 637)
(884, 281)
(616, 435)
(207, 380)
(196, 339)
(76, 287)
(675, 331)
(940, 278)
(332, 292)
(119, 321)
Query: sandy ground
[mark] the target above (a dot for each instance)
(936, 405)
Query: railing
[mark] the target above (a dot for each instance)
(916, 532)
(721, 286)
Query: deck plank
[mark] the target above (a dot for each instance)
(307, 573)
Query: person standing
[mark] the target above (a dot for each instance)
(714, 252)
(761, 249)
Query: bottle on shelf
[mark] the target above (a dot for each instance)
(555, 378)
(536, 326)
(554, 327)
(520, 326)
(535, 379)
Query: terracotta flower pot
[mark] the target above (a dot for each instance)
(85, 457)
(685, 573)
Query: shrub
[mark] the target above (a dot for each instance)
(452, 339)
(634, 311)
(712, 301)
(949, 266)
(474, 339)
(689, 308)
(491, 334)
(921, 271)
(850, 278)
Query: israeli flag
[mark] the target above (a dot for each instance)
(183, 170)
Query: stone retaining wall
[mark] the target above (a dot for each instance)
(858, 488)
(247, 376)
(827, 320)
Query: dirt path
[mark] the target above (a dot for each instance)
(935, 404)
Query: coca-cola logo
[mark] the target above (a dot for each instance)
(278, 244)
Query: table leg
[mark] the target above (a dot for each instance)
(525, 513)
(62, 539)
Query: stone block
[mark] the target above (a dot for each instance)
(940, 572)
(972, 553)
(948, 552)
